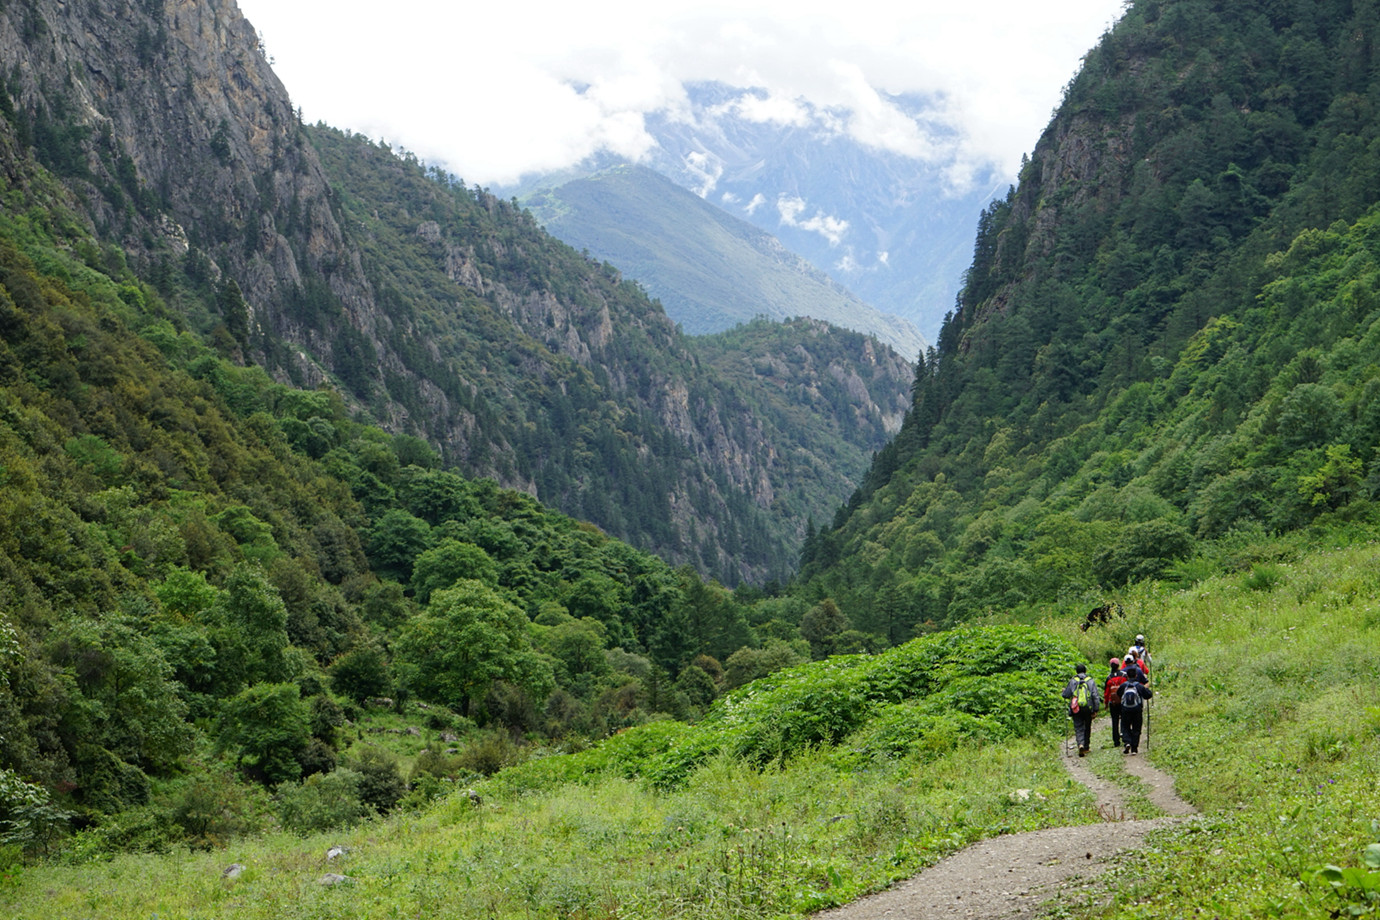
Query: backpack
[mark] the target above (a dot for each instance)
(1112, 696)
(1130, 696)
(1082, 699)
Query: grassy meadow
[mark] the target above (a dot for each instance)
(1267, 713)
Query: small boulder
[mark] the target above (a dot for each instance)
(233, 870)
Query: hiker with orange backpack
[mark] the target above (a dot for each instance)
(1111, 695)
(1084, 700)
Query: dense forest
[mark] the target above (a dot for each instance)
(1162, 358)
(206, 570)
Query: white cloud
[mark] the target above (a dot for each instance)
(790, 207)
(757, 201)
(487, 89)
(771, 109)
(706, 168)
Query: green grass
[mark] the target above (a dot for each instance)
(734, 842)
(1266, 714)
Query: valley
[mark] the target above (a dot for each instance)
(345, 507)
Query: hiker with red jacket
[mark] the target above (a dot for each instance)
(1084, 700)
(1137, 654)
(1135, 692)
(1130, 663)
(1111, 695)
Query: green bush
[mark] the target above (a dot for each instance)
(988, 683)
(322, 802)
(488, 752)
(380, 784)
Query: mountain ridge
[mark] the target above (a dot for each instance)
(709, 269)
(887, 227)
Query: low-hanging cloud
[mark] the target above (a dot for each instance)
(790, 207)
(494, 91)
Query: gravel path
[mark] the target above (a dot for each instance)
(1009, 877)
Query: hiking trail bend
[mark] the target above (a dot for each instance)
(1011, 876)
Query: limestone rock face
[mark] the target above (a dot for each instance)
(187, 123)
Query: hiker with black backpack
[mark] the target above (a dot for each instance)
(1134, 694)
(1084, 700)
(1111, 695)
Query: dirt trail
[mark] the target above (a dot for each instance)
(1009, 877)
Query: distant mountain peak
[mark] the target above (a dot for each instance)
(710, 270)
(887, 221)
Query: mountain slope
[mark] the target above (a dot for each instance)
(442, 311)
(709, 270)
(1161, 355)
(895, 231)
(596, 403)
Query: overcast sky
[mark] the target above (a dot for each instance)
(495, 89)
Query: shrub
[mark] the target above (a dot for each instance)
(212, 808)
(380, 783)
(489, 752)
(322, 802)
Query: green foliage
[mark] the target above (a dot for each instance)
(1356, 890)
(380, 785)
(30, 819)
(126, 702)
(985, 684)
(211, 808)
(488, 752)
(1163, 340)
(322, 802)
(266, 727)
(467, 639)
(448, 562)
(1141, 552)
(361, 673)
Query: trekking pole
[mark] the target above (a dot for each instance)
(1147, 725)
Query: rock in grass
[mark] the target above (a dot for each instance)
(331, 879)
(233, 870)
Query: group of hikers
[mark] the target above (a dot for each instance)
(1125, 693)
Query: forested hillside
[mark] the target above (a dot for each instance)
(1164, 352)
(207, 578)
(580, 390)
(440, 310)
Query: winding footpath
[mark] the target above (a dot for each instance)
(1010, 877)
